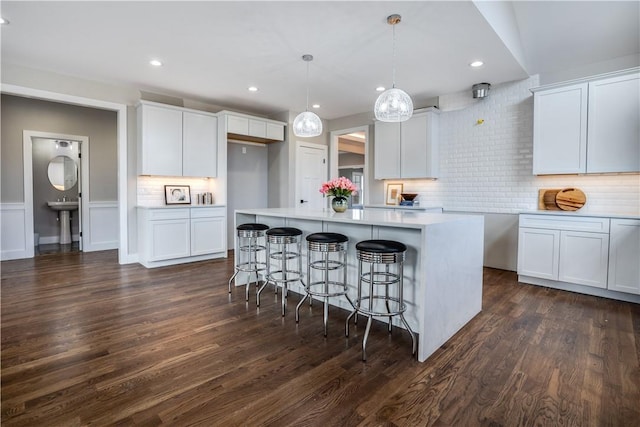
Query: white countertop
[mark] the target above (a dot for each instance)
(415, 207)
(179, 206)
(390, 218)
(630, 215)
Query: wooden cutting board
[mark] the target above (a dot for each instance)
(547, 199)
(570, 199)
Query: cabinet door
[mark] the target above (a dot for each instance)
(275, 131)
(613, 143)
(207, 235)
(238, 125)
(199, 145)
(560, 130)
(169, 239)
(161, 141)
(538, 253)
(584, 258)
(257, 128)
(387, 150)
(624, 267)
(413, 147)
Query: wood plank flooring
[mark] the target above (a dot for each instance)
(86, 341)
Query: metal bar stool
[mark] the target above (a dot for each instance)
(248, 243)
(278, 249)
(320, 246)
(375, 253)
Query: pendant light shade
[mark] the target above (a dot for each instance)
(393, 105)
(307, 124)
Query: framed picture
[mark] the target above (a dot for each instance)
(177, 194)
(393, 193)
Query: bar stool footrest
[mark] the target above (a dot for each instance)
(395, 308)
(340, 291)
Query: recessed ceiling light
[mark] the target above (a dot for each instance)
(316, 105)
(155, 63)
(476, 64)
(253, 89)
(380, 89)
(3, 21)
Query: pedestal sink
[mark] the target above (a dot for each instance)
(63, 209)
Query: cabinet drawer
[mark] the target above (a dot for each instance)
(207, 212)
(569, 223)
(160, 214)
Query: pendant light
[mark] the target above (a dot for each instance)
(393, 105)
(307, 124)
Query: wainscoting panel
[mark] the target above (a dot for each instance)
(101, 224)
(14, 242)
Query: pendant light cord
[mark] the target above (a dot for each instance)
(307, 109)
(393, 57)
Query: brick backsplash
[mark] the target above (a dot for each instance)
(151, 188)
(488, 167)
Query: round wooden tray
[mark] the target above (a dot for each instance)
(570, 199)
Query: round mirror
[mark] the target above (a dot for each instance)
(63, 172)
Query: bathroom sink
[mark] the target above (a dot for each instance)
(63, 206)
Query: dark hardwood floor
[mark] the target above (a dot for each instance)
(86, 341)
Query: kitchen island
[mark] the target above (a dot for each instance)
(443, 266)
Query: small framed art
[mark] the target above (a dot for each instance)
(177, 194)
(393, 194)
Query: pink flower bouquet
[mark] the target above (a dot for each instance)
(339, 187)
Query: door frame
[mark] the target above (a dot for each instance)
(312, 145)
(124, 257)
(83, 181)
(333, 156)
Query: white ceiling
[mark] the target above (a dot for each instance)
(212, 50)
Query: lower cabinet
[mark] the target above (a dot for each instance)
(594, 252)
(178, 235)
(624, 256)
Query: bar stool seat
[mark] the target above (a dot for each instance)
(248, 243)
(322, 245)
(279, 240)
(377, 253)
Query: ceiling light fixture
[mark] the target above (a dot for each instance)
(476, 64)
(393, 105)
(316, 106)
(155, 63)
(3, 21)
(380, 89)
(307, 124)
(253, 89)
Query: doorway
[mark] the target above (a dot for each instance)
(349, 148)
(311, 171)
(55, 168)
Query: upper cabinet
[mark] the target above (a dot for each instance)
(253, 129)
(588, 127)
(408, 149)
(174, 141)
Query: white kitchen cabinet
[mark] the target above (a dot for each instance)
(176, 142)
(614, 125)
(538, 253)
(569, 249)
(592, 126)
(408, 149)
(560, 130)
(199, 145)
(208, 231)
(624, 256)
(387, 150)
(169, 236)
(159, 141)
(584, 258)
(256, 129)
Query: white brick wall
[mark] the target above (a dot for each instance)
(488, 167)
(151, 188)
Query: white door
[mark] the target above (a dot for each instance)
(311, 172)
